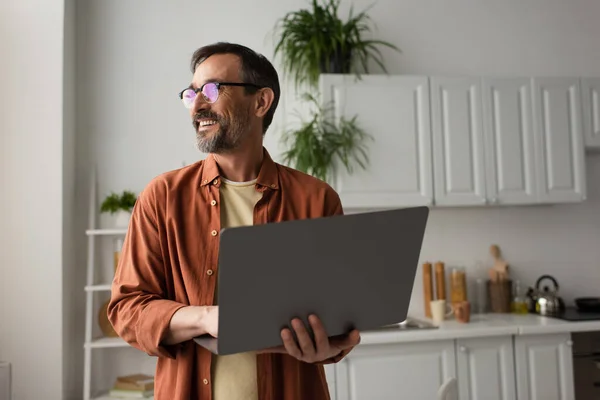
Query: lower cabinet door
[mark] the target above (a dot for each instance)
(486, 368)
(395, 371)
(544, 367)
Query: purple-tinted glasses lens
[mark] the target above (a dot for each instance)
(210, 93)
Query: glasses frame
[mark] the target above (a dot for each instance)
(218, 85)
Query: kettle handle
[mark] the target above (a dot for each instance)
(541, 278)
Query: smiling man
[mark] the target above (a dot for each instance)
(163, 293)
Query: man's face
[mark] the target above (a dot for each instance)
(221, 126)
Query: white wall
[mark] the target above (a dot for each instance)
(133, 59)
(31, 198)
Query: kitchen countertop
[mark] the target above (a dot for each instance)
(479, 326)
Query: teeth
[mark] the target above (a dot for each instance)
(206, 123)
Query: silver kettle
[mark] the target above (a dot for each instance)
(548, 302)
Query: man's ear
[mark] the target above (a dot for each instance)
(264, 99)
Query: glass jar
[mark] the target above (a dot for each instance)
(458, 285)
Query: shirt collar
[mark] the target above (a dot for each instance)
(268, 175)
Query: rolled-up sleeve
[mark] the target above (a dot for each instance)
(138, 309)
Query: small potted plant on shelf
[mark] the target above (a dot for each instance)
(119, 206)
(315, 41)
(321, 144)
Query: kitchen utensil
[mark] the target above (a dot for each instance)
(588, 304)
(440, 281)
(500, 265)
(500, 296)
(427, 288)
(440, 310)
(548, 301)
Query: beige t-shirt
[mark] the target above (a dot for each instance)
(234, 376)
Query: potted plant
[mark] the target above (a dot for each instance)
(316, 41)
(320, 144)
(119, 206)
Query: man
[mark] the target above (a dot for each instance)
(164, 289)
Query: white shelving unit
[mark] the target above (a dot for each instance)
(95, 344)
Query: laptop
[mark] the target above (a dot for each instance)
(352, 271)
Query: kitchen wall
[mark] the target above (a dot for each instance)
(37, 139)
(132, 58)
(560, 240)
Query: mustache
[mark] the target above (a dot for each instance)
(204, 115)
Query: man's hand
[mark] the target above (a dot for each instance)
(307, 350)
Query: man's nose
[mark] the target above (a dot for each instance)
(199, 105)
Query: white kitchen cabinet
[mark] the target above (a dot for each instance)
(590, 93)
(458, 147)
(509, 141)
(559, 140)
(394, 110)
(544, 367)
(330, 376)
(486, 368)
(395, 371)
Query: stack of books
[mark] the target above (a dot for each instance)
(138, 386)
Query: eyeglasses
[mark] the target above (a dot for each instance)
(210, 92)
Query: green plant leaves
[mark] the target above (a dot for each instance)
(319, 144)
(115, 202)
(316, 41)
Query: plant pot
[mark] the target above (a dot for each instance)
(121, 219)
(339, 63)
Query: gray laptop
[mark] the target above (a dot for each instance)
(353, 271)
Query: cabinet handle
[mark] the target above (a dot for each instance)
(462, 349)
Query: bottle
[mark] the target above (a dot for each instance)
(481, 297)
(519, 305)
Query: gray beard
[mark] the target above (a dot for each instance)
(218, 143)
(227, 138)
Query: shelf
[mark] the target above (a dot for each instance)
(106, 232)
(105, 396)
(98, 288)
(107, 342)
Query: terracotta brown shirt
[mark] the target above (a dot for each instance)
(169, 260)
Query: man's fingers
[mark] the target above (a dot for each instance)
(304, 340)
(350, 340)
(321, 339)
(290, 344)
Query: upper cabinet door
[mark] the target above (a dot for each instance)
(458, 158)
(509, 142)
(394, 110)
(558, 129)
(590, 89)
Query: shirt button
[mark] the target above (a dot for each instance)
(213, 203)
(205, 181)
(209, 272)
(214, 233)
(205, 381)
(215, 181)
(273, 185)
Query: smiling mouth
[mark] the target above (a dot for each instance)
(205, 123)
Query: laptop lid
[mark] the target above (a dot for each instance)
(353, 271)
